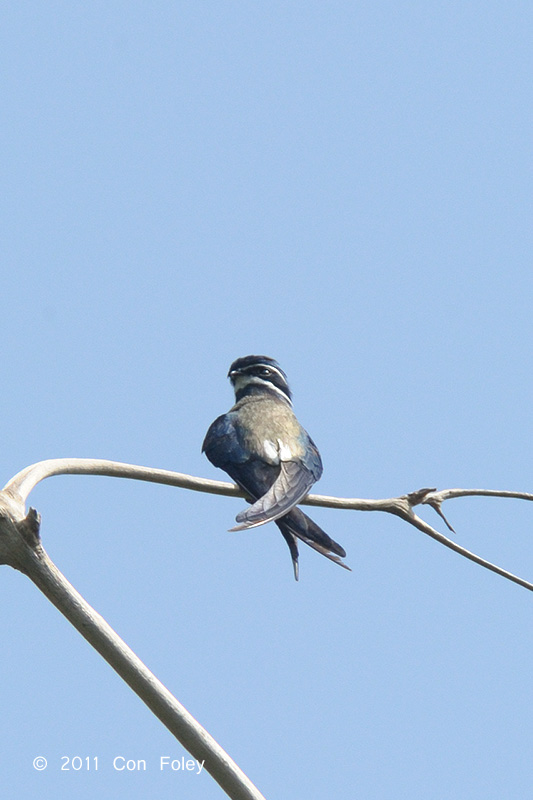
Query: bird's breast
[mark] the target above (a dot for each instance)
(269, 430)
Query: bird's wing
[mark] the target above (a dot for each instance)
(291, 486)
(222, 445)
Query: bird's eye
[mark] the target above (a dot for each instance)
(265, 372)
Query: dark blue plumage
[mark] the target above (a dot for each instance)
(265, 450)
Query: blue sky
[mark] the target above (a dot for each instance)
(347, 188)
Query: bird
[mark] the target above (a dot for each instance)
(270, 456)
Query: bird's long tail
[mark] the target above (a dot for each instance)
(295, 525)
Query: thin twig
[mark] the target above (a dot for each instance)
(448, 494)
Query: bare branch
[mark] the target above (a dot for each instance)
(22, 483)
(440, 537)
(435, 497)
(20, 548)
(19, 487)
(403, 507)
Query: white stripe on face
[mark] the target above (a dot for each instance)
(242, 381)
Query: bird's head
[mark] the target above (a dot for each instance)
(253, 374)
